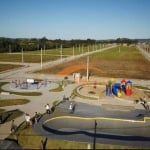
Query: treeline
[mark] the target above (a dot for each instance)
(31, 44)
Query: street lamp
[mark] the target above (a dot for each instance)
(22, 56)
(61, 51)
(94, 141)
(87, 68)
(41, 59)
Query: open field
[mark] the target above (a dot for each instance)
(123, 62)
(5, 67)
(48, 55)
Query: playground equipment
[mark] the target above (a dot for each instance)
(117, 88)
(129, 88)
(30, 84)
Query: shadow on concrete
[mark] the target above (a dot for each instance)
(98, 135)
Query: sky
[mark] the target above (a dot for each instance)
(75, 19)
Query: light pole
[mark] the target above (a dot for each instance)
(88, 48)
(44, 49)
(87, 68)
(10, 48)
(61, 51)
(94, 140)
(41, 59)
(73, 51)
(82, 49)
(22, 56)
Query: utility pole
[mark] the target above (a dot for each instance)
(82, 49)
(41, 58)
(22, 56)
(44, 49)
(73, 51)
(94, 140)
(88, 48)
(79, 48)
(10, 48)
(61, 52)
(87, 68)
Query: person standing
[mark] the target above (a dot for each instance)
(27, 119)
(1, 119)
(47, 108)
(13, 126)
(36, 118)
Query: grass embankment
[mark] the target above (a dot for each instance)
(123, 62)
(58, 89)
(19, 93)
(10, 102)
(10, 115)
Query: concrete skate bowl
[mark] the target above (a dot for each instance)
(74, 68)
(91, 91)
(73, 125)
(105, 127)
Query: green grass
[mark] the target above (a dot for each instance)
(58, 89)
(126, 63)
(48, 55)
(75, 93)
(10, 102)
(56, 102)
(10, 115)
(19, 93)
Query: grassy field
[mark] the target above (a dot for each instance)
(123, 62)
(10, 115)
(48, 55)
(10, 102)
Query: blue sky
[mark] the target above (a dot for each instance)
(75, 19)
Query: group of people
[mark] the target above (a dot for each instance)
(31, 121)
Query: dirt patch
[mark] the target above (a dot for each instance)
(129, 63)
(74, 68)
